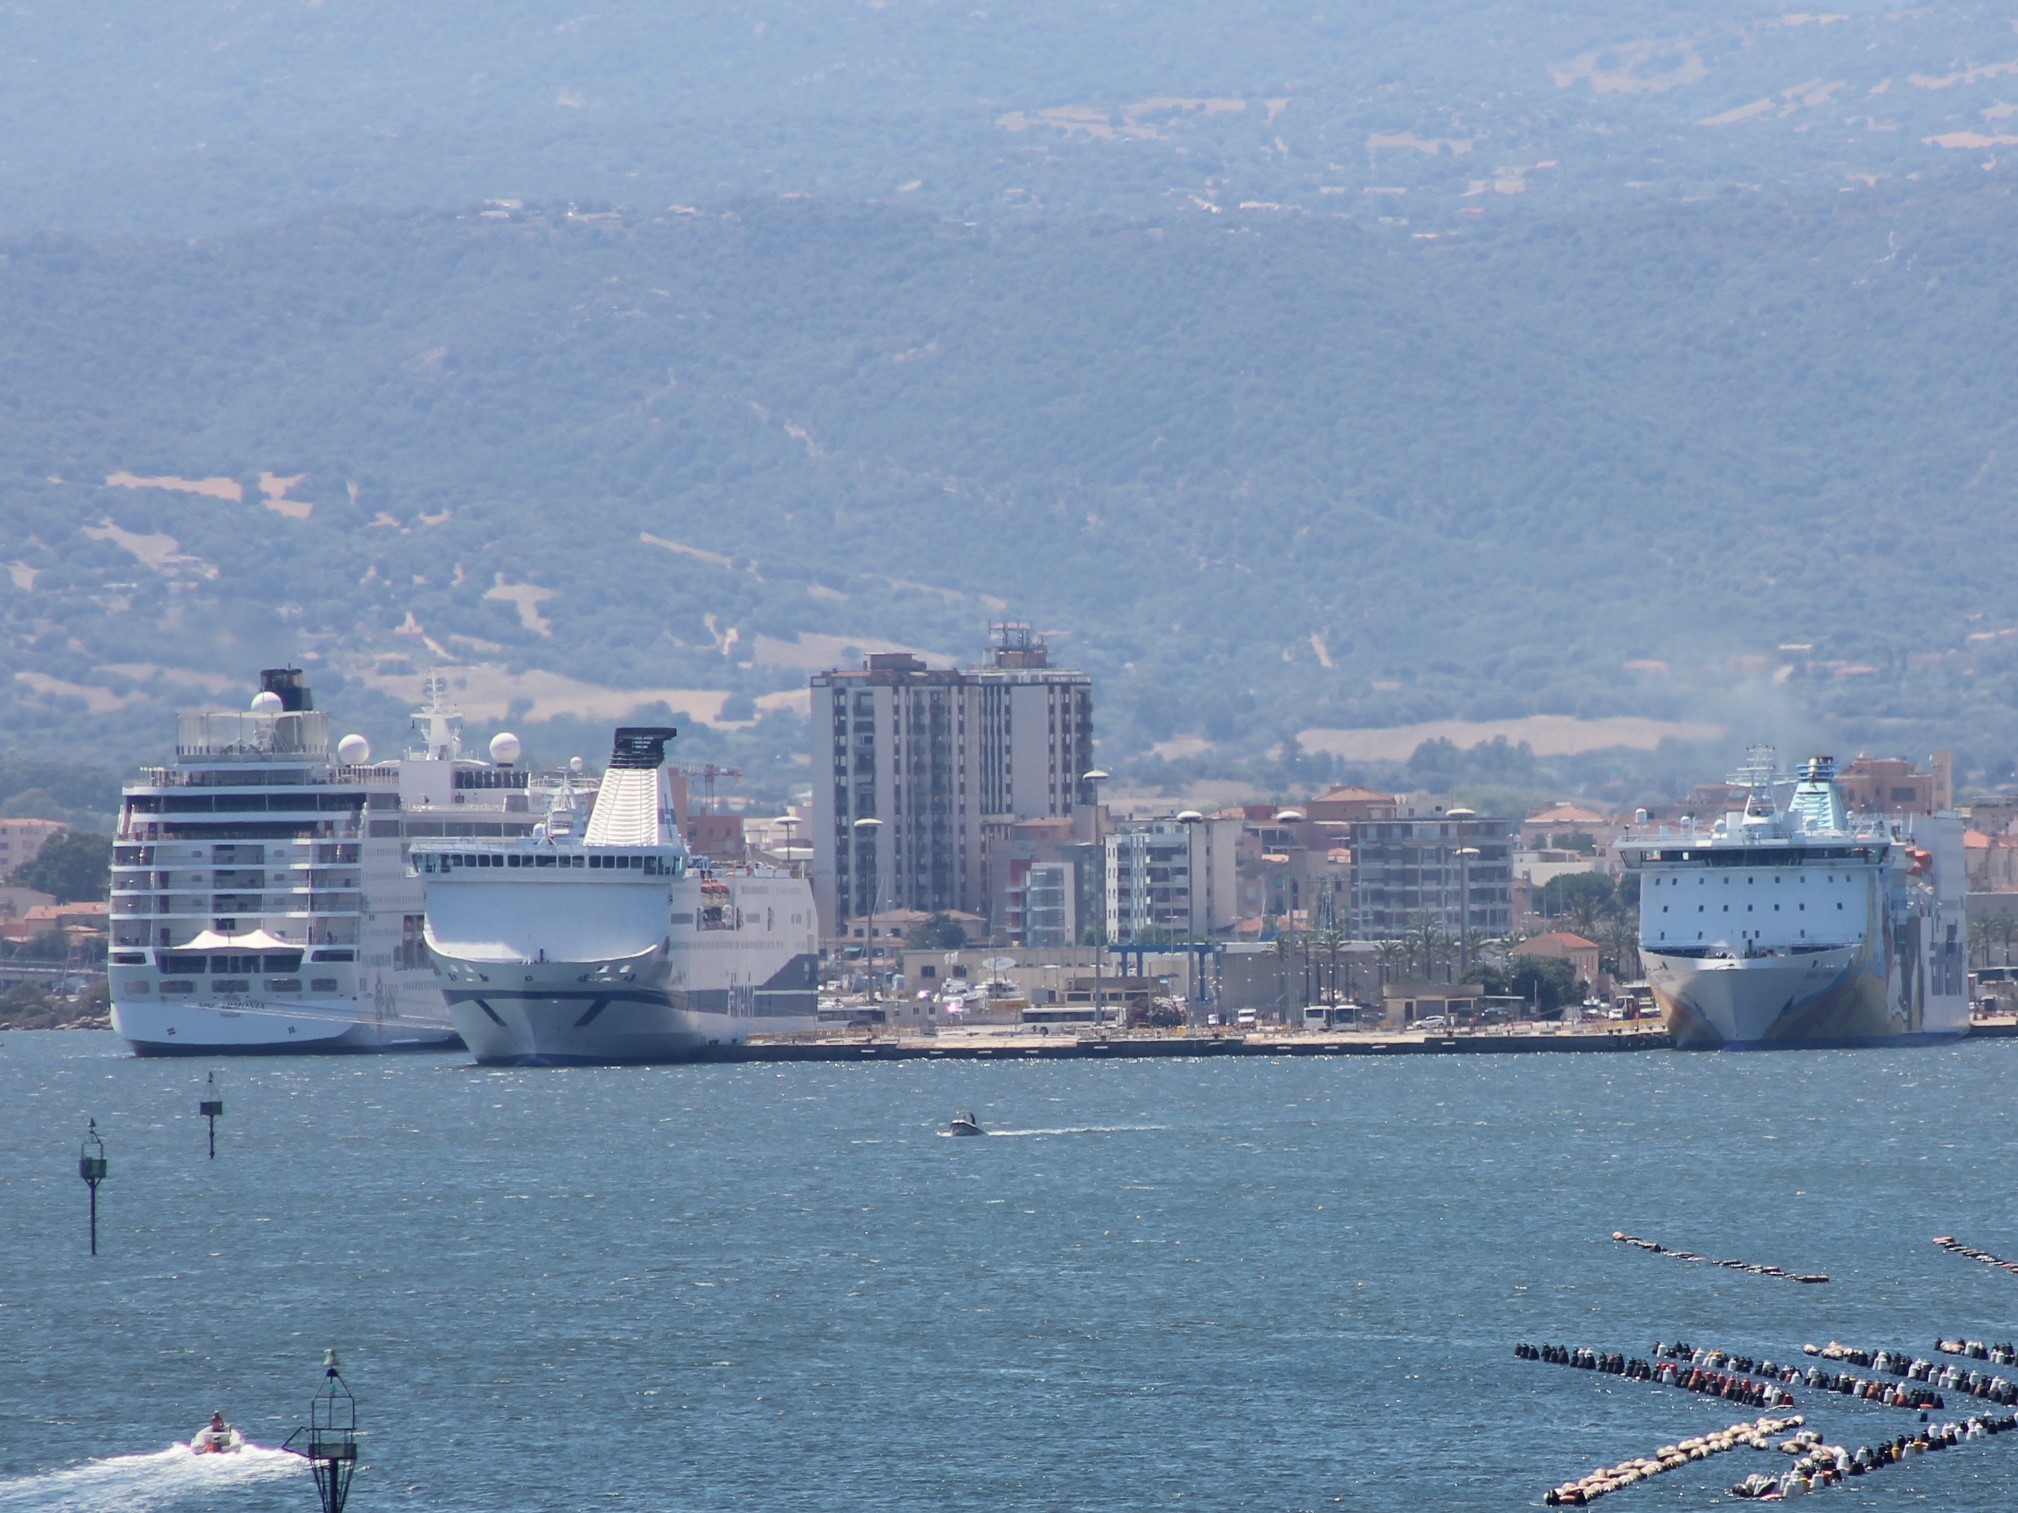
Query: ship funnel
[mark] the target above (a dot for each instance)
(641, 746)
(630, 809)
(1819, 769)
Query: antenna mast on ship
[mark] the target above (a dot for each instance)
(437, 722)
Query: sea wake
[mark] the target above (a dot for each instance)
(141, 1483)
(1075, 1129)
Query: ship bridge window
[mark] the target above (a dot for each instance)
(345, 954)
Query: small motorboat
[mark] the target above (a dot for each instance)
(964, 1123)
(216, 1438)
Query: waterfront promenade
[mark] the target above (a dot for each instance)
(1014, 1042)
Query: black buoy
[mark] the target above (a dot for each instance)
(91, 1167)
(212, 1108)
(332, 1437)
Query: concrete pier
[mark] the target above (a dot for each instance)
(1012, 1044)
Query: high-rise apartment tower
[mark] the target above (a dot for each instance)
(933, 754)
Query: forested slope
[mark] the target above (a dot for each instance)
(1261, 474)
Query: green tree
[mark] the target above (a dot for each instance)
(1547, 982)
(936, 934)
(73, 865)
(1584, 896)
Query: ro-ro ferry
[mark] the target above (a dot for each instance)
(1801, 925)
(609, 941)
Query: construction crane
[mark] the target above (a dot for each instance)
(707, 772)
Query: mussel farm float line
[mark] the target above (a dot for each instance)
(1992, 1389)
(1839, 1382)
(1823, 1465)
(1955, 1247)
(1757, 1269)
(1976, 1350)
(1628, 1473)
(1727, 1385)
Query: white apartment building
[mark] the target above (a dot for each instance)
(1172, 875)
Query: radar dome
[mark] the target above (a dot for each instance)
(504, 748)
(577, 766)
(353, 751)
(266, 701)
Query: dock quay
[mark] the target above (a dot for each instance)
(1025, 1043)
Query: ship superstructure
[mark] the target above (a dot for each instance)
(1799, 924)
(260, 898)
(609, 941)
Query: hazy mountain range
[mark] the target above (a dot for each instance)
(1581, 375)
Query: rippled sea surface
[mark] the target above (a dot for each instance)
(1213, 1284)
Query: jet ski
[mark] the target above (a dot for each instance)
(964, 1123)
(216, 1438)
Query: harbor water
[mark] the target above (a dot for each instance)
(1229, 1283)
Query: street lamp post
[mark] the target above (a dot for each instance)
(1093, 778)
(1464, 856)
(790, 849)
(1191, 819)
(1287, 817)
(865, 833)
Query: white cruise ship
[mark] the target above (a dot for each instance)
(261, 902)
(1802, 925)
(611, 942)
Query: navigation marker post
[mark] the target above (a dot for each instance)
(332, 1437)
(212, 1108)
(91, 1167)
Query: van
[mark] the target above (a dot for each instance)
(1245, 1019)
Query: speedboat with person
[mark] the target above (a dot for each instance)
(964, 1123)
(216, 1438)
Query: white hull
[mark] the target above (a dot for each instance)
(617, 945)
(626, 1009)
(196, 1028)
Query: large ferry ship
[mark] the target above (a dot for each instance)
(1802, 925)
(260, 898)
(610, 941)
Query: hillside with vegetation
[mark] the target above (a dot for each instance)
(1522, 372)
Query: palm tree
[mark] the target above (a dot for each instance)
(1331, 941)
(1285, 954)
(1621, 941)
(1980, 932)
(1429, 943)
(1392, 955)
(1585, 915)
